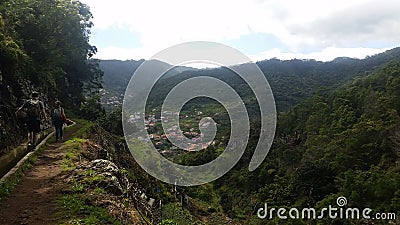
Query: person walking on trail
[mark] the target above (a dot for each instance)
(59, 119)
(34, 108)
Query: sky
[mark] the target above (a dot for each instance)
(261, 29)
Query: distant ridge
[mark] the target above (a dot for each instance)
(291, 80)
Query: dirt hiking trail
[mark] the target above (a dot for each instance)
(33, 200)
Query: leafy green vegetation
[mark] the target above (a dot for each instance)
(175, 214)
(76, 205)
(342, 142)
(337, 135)
(168, 222)
(47, 43)
(86, 125)
(73, 145)
(44, 47)
(76, 210)
(292, 81)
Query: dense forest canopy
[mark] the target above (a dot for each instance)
(44, 46)
(342, 142)
(337, 135)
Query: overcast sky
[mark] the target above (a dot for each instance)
(261, 29)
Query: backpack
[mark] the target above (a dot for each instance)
(59, 115)
(33, 108)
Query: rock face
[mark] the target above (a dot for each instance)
(13, 127)
(106, 175)
(13, 132)
(98, 171)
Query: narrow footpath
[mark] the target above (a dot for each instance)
(33, 201)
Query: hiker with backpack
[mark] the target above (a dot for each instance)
(59, 119)
(34, 109)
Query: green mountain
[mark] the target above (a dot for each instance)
(291, 80)
(117, 75)
(341, 142)
(337, 135)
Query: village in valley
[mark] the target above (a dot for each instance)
(189, 128)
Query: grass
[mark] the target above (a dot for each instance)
(76, 209)
(74, 145)
(177, 215)
(77, 206)
(82, 131)
(94, 179)
(99, 190)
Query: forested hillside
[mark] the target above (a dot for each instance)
(294, 80)
(344, 142)
(291, 80)
(44, 46)
(117, 75)
(339, 136)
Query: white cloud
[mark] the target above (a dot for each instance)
(300, 25)
(363, 24)
(326, 54)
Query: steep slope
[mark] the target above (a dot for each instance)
(339, 143)
(295, 80)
